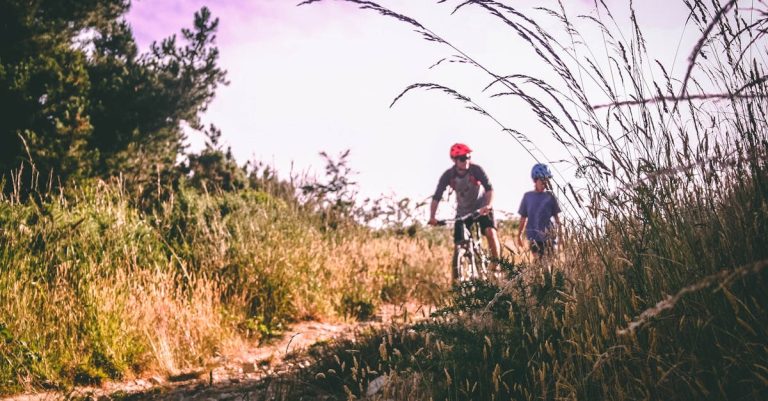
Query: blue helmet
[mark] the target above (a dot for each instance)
(540, 170)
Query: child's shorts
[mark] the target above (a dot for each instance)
(541, 248)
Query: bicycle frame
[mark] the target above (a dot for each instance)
(470, 261)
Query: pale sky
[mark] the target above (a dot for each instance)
(321, 77)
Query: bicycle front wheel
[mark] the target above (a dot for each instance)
(482, 261)
(463, 264)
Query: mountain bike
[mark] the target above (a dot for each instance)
(470, 260)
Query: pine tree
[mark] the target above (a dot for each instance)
(80, 101)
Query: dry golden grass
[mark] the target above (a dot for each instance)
(93, 289)
(658, 291)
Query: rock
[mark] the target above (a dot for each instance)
(186, 376)
(375, 385)
(248, 367)
(156, 380)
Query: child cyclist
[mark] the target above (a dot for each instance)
(537, 210)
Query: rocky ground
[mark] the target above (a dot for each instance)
(254, 374)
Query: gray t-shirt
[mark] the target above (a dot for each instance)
(538, 208)
(467, 187)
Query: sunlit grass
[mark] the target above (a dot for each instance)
(658, 291)
(94, 289)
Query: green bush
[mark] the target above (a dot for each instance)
(95, 289)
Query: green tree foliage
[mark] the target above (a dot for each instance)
(44, 82)
(142, 102)
(263, 178)
(80, 101)
(213, 167)
(334, 197)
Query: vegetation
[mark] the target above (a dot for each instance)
(120, 253)
(80, 101)
(658, 292)
(94, 288)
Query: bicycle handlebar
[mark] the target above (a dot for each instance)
(468, 216)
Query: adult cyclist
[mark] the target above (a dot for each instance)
(473, 193)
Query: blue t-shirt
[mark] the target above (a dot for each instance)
(538, 208)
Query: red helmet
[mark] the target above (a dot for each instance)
(459, 149)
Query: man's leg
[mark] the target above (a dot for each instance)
(493, 245)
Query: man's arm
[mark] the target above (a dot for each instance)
(488, 205)
(482, 177)
(432, 212)
(438, 195)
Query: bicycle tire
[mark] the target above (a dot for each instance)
(480, 254)
(463, 264)
(482, 261)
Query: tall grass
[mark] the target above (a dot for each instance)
(94, 288)
(659, 290)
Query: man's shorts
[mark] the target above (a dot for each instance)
(461, 231)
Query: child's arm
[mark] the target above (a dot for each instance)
(523, 211)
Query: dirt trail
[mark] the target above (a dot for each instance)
(243, 376)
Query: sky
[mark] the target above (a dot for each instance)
(321, 77)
